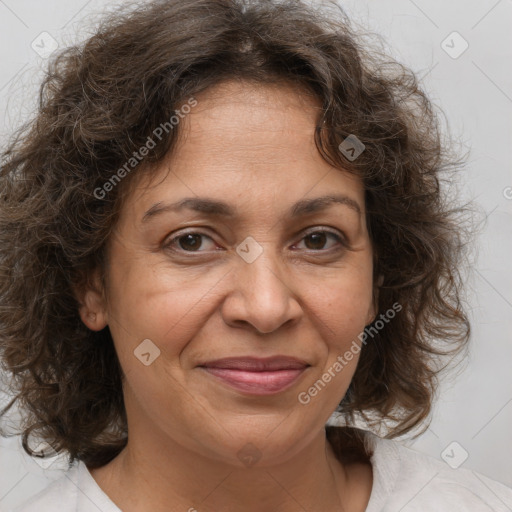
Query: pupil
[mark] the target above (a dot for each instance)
(317, 237)
(191, 244)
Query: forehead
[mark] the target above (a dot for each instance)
(251, 120)
(251, 142)
(257, 100)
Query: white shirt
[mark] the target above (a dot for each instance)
(404, 480)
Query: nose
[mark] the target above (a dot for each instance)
(262, 296)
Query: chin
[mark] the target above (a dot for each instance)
(265, 442)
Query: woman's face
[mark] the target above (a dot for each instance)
(272, 272)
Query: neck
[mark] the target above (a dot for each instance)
(145, 476)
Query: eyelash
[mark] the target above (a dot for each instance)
(170, 244)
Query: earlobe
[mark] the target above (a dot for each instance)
(93, 317)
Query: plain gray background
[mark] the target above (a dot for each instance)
(473, 418)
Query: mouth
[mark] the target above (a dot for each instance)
(257, 376)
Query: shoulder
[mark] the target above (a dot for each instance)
(408, 480)
(61, 494)
(74, 491)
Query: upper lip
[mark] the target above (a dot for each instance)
(258, 364)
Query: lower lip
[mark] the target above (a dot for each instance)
(257, 383)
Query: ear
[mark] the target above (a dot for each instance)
(93, 310)
(374, 308)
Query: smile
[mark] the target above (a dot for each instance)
(257, 376)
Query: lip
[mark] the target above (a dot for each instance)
(257, 376)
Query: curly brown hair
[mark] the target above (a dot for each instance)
(101, 100)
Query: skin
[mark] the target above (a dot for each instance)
(251, 146)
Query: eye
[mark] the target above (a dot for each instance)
(188, 242)
(317, 239)
(193, 241)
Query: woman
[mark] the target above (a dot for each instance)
(225, 225)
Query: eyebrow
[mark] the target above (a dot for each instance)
(219, 208)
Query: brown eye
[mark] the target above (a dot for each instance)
(316, 240)
(188, 242)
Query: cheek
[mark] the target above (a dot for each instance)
(341, 313)
(344, 302)
(342, 307)
(155, 314)
(166, 306)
